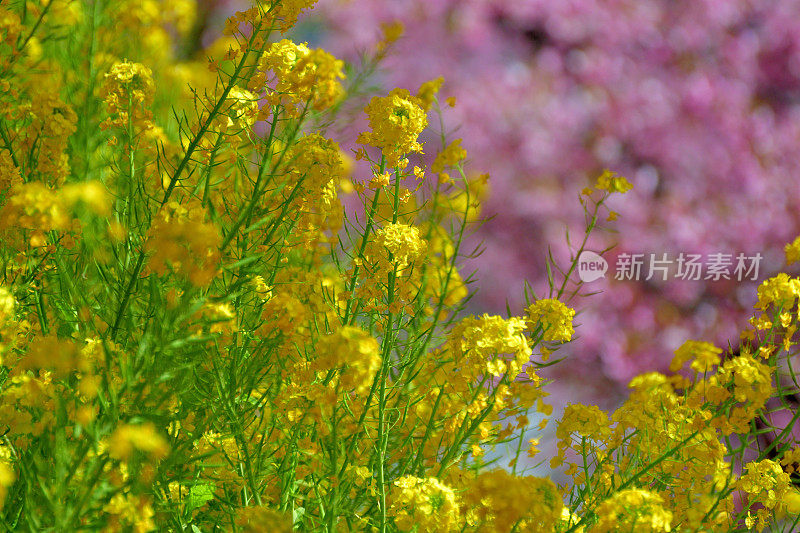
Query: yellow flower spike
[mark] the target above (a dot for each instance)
(287, 11)
(302, 74)
(396, 121)
(612, 182)
(427, 92)
(703, 355)
(452, 155)
(499, 500)
(132, 510)
(780, 291)
(392, 31)
(262, 519)
(633, 510)
(128, 87)
(792, 251)
(425, 504)
(554, 317)
(142, 437)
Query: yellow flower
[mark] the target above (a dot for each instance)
(780, 291)
(182, 242)
(703, 355)
(449, 157)
(499, 500)
(396, 122)
(93, 194)
(240, 110)
(355, 350)
(790, 459)
(396, 244)
(554, 317)
(131, 510)
(792, 251)
(766, 483)
(287, 11)
(484, 341)
(392, 31)
(612, 182)
(263, 520)
(791, 500)
(142, 437)
(633, 510)
(752, 383)
(585, 420)
(304, 75)
(127, 89)
(261, 288)
(427, 92)
(424, 504)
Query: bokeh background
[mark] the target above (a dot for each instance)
(697, 102)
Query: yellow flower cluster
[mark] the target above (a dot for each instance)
(239, 112)
(587, 421)
(313, 171)
(128, 93)
(553, 318)
(765, 483)
(633, 510)
(703, 356)
(792, 251)
(48, 124)
(449, 157)
(7, 305)
(392, 259)
(27, 407)
(39, 209)
(181, 241)
(262, 519)
(612, 182)
(497, 501)
(780, 291)
(427, 92)
(287, 11)
(354, 353)
(483, 342)
(395, 246)
(302, 76)
(128, 512)
(396, 122)
(137, 437)
(424, 505)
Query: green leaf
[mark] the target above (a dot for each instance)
(199, 495)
